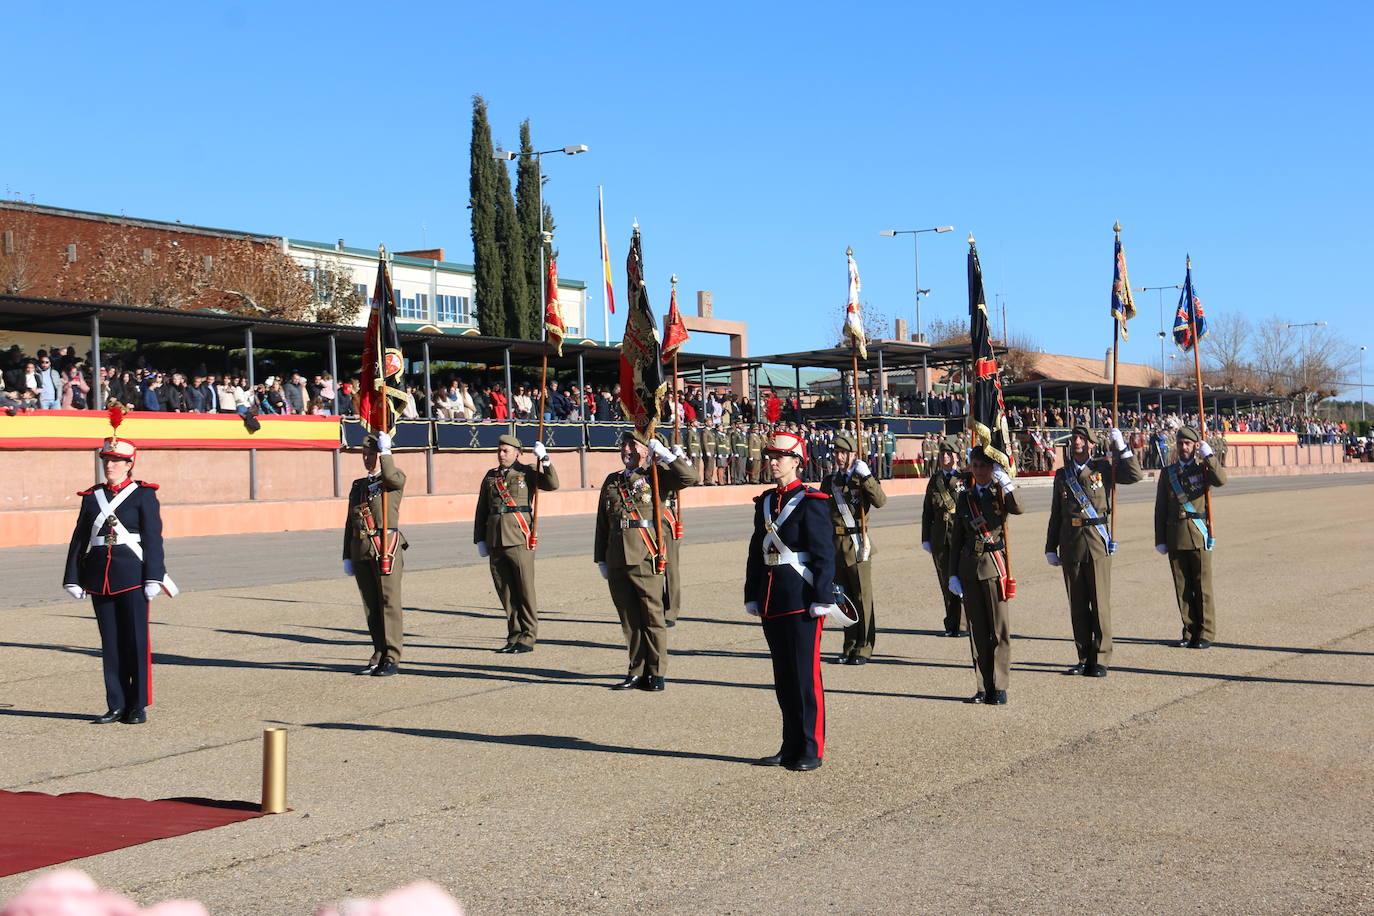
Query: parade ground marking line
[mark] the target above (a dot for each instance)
(42, 829)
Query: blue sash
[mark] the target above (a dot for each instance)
(1207, 541)
(1098, 523)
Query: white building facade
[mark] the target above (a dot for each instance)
(429, 291)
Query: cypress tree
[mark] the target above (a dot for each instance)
(511, 237)
(527, 212)
(489, 263)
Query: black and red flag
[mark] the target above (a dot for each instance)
(382, 390)
(987, 415)
(641, 363)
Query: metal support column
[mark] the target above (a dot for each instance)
(510, 393)
(1040, 404)
(98, 397)
(797, 369)
(334, 374)
(252, 452)
(1092, 408)
(582, 412)
(429, 415)
(882, 388)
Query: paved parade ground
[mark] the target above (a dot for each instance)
(1237, 779)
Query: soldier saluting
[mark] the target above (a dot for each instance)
(626, 551)
(373, 552)
(1182, 534)
(1079, 541)
(853, 490)
(937, 527)
(501, 529)
(115, 557)
(982, 579)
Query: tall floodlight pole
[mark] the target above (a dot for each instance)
(916, 255)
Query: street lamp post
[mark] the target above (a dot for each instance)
(1162, 335)
(1303, 354)
(916, 252)
(1362, 417)
(544, 237)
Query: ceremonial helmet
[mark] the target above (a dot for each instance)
(846, 605)
(121, 449)
(786, 444)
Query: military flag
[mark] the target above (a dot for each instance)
(605, 253)
(1123, 304)
(853, 318)
(641, 365)
(382, 388)
(674, 331)
(987, 415)
(1189, 315)
(554, 328)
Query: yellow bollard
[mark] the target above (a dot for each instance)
(273, 770)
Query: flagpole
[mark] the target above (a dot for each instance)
(1116, 423)
(539, 437)
(858, 427)
(384, 560)
(1197, 370)
(677, 416)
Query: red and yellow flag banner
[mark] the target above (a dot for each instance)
(81, 429)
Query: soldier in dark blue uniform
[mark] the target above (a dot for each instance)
(789, 584)
(116, 558)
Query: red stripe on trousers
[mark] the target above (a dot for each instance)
(148, 670)
(820, 691)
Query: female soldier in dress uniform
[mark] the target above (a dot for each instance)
(789, 584)
(115, 557)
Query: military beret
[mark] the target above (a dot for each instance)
(949, 445)
(637, 435)
(844, 442)
(1086, 433)
(1187, 432)
(508, 439)
(370, 443)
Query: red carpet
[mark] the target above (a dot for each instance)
(41, 829)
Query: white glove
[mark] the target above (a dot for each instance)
(820, 610)
(660, 452)
(751, 608)
(1162, 548)
(75, 591)
(860, 470)
(604, 569)
(1052, 557)
(541, 453)
(1204, 448)
(679, 452)
(151, 590)
(384, 443)
(1003, 479)
(482, 550)
(955, 588)
(925, 545)
(1118, 441)
(348, 567)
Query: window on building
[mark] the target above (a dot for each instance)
(453, 309)
(362, 291)
(574, 332)
(408, 308)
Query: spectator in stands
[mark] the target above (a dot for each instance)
(174, 396)
(75, 389)
(152, 392)
(328, 392)
(200, 396)
(500, 406)
(45, 382)
(224, 395)
(605, 408)
(524, 405)
(293, 393)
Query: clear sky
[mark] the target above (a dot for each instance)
(753, 142)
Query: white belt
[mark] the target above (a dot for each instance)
(128, 539)
(787, 558)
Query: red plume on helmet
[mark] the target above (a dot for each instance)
(116, 413)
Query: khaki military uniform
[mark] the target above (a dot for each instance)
(980, 565)
(1082, 550)
(755, 445)
(503, 523)
(1189, 562)
(708, 460)
(672, 573)
(625, 542)
(852, 570)
(694, 452)
(739, 454)
(381, 593)
(937, 527)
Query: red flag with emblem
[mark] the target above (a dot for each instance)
(554, 328)
(674, 331)
(382, 390)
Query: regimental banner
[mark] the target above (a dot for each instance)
(82, 429)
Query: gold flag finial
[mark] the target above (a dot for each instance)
(1117, 227)
(970, 239)
(849, 252)
(1188, 262)
(673, 279)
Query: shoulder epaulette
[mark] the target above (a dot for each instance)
(144, 483)
(816, 493)
(88, 491)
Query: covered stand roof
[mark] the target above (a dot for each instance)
(212, 329)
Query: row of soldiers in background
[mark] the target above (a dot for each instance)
(727, 455)
(963, 523)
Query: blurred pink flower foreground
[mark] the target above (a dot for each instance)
(68, 892)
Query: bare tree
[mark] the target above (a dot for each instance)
(1227, 353)
(18, 238)
(337, 300)
(123, 269)
(260, 279)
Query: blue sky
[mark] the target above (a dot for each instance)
(753, 142)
